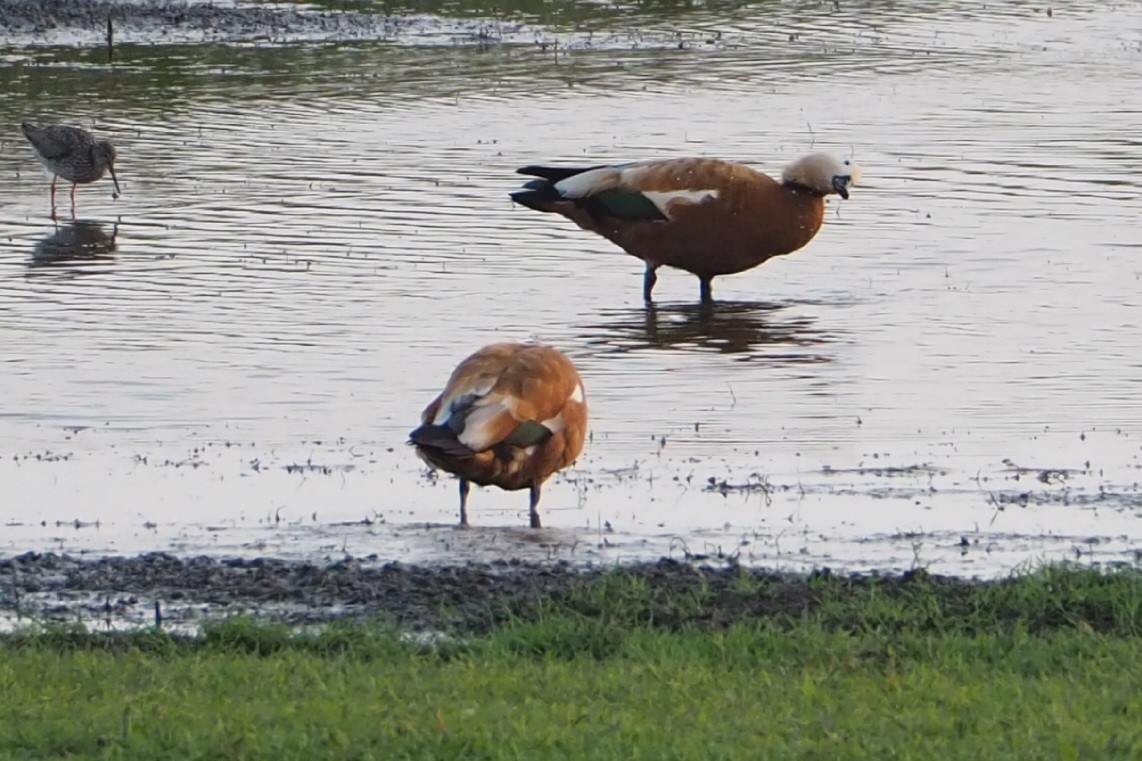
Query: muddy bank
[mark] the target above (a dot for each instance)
(122, 592)
(84, 22)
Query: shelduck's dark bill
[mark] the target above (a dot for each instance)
(841, 185)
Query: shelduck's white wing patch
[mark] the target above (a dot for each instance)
(664, 198)
(447, 405)
(644, 175)
(479, 430)
(554, 424)
(601, 180)
(590, 183)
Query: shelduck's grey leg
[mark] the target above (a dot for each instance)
(533, 504)
(464, 488)
(649, 278)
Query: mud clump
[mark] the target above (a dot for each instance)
(126, 589)
(471, 598)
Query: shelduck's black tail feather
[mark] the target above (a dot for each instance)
(540, 195)
(439, 438)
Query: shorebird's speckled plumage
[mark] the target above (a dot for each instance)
(510, 416)
(706, 216)
(73, 154)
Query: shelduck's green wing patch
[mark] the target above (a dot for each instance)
(627, 204)
(529, 433)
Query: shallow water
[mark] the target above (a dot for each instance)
(228, 358)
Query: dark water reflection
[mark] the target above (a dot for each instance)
(775, 332)
(555, 47)
(78, 242)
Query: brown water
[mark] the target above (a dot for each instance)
(228, 358)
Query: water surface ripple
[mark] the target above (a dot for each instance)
(228, 358)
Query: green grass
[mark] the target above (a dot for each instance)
(1045, 666)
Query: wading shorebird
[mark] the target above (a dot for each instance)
(73, 154)
(510, 416)
(706, 216)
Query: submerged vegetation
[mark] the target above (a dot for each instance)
(1044, 665)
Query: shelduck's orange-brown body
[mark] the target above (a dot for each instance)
(706, 216)
(510, 416)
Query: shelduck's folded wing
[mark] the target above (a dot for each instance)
(648, 190)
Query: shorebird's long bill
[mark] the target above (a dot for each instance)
(115, 180)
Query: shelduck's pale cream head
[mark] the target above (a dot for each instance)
(822, 173)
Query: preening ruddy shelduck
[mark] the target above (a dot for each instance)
(510, 416)
(706, 216)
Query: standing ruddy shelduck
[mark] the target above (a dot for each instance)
(706, 216)
(73, 154)
(511, 415)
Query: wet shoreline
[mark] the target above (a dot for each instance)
(182, 593)
(18, 17)
(85, 22)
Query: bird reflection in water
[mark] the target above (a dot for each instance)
(753, 330)
(75, 243)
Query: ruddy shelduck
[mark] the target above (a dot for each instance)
(510, 416)
(706, 216)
